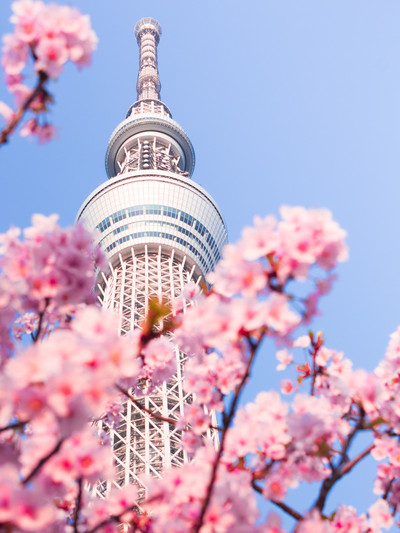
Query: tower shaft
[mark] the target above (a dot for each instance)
(159, 230)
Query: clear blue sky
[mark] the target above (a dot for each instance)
(286, 102)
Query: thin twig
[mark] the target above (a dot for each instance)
(388, 489)
(143, 408)
(35, 337)
(343, 467)
(227, 421)
(283, 506)
(78, 505)
(314, 370)
(15, 425)
(4, 135)
(288, 510)
(42, 461)
(119, 518)
(113, 518)
(351, 464)
(356, 429)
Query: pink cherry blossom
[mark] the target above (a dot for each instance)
(272, 524)
(260, 427)
(30, 514)
(302, 342)
(177, 498)
(49, 35)
(312, 235)
(45, 133)
(278, 316)
(52, 266)
(15, 55)
(81, 456)
(238, 275)
(25, 16)
(313, 523)
(260, 240)
(60, 396)
(6, 112)
(286, 386)
(381, 515)
(52, 54)
(285, 358)
(159, 360)
(346, 520)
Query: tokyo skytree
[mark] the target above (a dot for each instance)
(159, 230)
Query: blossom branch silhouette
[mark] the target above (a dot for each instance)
(18, 116)
(227, 420)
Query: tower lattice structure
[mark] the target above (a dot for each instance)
(159, 230)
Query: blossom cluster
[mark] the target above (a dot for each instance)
(175, 501)
(307, 440)
(50, 271)
(53, 388)
(257, 290)
(60, 395)
(46, 36)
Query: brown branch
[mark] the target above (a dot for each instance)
(113, 518)
(283, 506)
(288, 510)
(314, 369)
(227, 421)
(119, 518)
(338, 473)
(78, 505)
(35, 336)
(359, 425)
(15, 425)
(388, 489)
(351, 464)
(8, 130)
(42, 461)
(143, 408)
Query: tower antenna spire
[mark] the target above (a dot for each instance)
(148, 32)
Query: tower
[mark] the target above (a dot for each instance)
(159, 230)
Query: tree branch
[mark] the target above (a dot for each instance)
(113, 518)
(143, 408)
(283, 506)
(118, 518)
(227, 421)
(42, 461)
(351, 464)
(343, 467)
(78, 505)
(288, 510)
(14, 425)
(35, 336)
(8, 130)
(316, 345)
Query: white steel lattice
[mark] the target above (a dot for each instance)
(143, 444)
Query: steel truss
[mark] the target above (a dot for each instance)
(142, 444)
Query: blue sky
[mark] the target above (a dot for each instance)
(286, 102)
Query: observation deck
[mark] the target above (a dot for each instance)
(144, 208)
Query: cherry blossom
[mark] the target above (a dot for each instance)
(60, 395)
(45, 37)
(52, 268)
